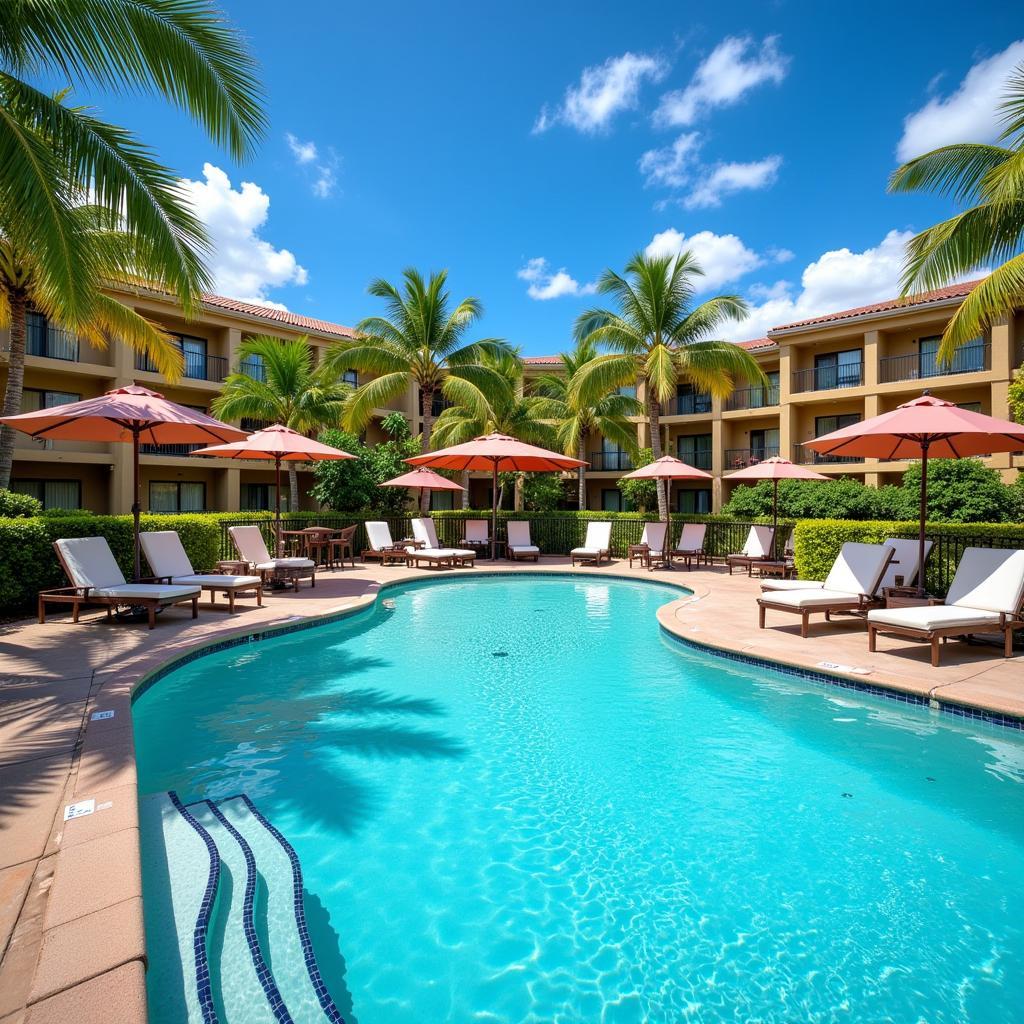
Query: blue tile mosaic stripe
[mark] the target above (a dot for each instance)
(204, 987)
(326, 1000)
(277, 1006)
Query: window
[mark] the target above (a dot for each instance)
(764, 444)
(969, 358)
(194, 351)
(694, 502)
(613, 457)
(690, 401)
(442, 501)
(43, 339)
(33, 399)
(969, 406)
(351, 378)
(627, 390)
(251, 425)
(52, 493)
(762, 395)
(176, 496)
(252, 366)
(695, 450)
(838, 370)
(260, 498)
(826, 424)
(612, 500)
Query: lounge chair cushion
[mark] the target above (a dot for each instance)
(476, 532)
(692, 537)
(378, 534)
(286, 563)
(928, 617)
(151, 591)
(801, 599)
(90, 562)
(524, 549)
(904, 561)
(165, 553)
(758, 543)
(440, 554)
(774, 585)
(858, 568)
(519, 541)
(213, 580)
(991, 579)
(587, 552)
(597, 541)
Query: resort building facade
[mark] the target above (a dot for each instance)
(823, 373)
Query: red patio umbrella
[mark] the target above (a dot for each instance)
(667, 468)
(775, 469)
(125, 414)
(498, 453)
(924, 428)
(424, 480)
(282, 444)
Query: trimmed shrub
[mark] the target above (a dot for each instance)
(17, 506)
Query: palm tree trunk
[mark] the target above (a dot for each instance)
(654, 416)
(15, 381)
(293, 488)
(581, 473)
(427, 412)
(464, 496)
(517, 494)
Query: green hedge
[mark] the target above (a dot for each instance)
(817, 542)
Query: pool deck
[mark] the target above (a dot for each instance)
(72, 945)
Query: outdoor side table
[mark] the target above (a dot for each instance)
(774, 568)
(640, 552)
(906, 597)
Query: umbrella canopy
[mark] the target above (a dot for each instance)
(498, 453)
(667, 468)
(424, 480)
(923, 428)
(125, 414)
(282, 444)
(775, 469)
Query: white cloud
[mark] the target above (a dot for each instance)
(672, 165)
(724, 179)
(244, 265)
(304, 152)
(734, 67)
(326, 180)
(544, 285)
(970, 114)
(723, 258)
(603, 91)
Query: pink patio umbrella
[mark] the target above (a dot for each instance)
(498, 453)
(125, 414)
(775, 469)
(667, 468)
(424, 480)
(924, 428)
(282, 444)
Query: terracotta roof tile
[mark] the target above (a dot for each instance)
(281, 316)
(954, 291)
(542, 360)
(756, 343)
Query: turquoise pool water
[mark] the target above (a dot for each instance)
(516, 800)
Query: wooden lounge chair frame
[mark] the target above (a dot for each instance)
(280, 574)
(594, 555)
(742, 560)
(689, 555)
(521, 556)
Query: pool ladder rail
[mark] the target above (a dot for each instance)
(241, 841)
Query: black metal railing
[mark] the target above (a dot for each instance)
(51, 343)
(197, 366)
(169, 449)
(828, 378)
(974, 358)
(806, 457)
(689, 405)
(702, 459)
(611, 461)
(739, 458)
(253, 368)
(753, 398)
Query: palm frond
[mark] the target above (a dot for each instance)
(375, 394)
(957, 171)
(999, 293)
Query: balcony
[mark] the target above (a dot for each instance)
(51, 343)
(805, 457)
(169, 449)
(253, 368)
(611, 462)
(974, 358)
(699, 460)
(689, 405)
(753, 398)
(740, 458)
(828, 378)
(197, 366)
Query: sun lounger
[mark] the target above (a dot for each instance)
(519, 544)
(431, 551)
(477, 535)
(651, 548)
(597, 544)
(758, 548)
(691, 544)
(986, 596)
(378, 536)
(167, 558)
(904, 563)
(850, 586)
(96, 579)
(252, 549)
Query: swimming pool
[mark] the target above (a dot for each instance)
(515, 799)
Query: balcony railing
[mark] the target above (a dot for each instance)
(52, 343)
(753, 398)
(169, 449)
(805, 457)
(920, 366)
(197, 366)
(740, 458)
(699, 460)
(828, 378)
(689, 405)
(615, 462)
(253, 368)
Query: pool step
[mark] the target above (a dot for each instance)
(240, 949)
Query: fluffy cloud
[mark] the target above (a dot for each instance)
(672, 165)
(734, 67)
(970, 114)
(602, 92)
(304, 152)
(244, 265)
(839, 279)
(723, 258)
(724, 179)
(322, 169)
(544, 285)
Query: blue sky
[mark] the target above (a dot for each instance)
(528, 148)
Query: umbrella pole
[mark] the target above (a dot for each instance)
(136, 501)
(277, 506)
(923, 518)
(775, 505)
(494, 513)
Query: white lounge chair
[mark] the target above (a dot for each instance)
(168, 560)
(520, 546)
(986, 596)
(904, 563)
(431, 551)
(850, 586)
(597, 544)
(651, 548)
(691, 544)
(378, 536)
(252, 549)
(96, 579)
(478, 535)
(757, 548)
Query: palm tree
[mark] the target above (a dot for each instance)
(290, 388)
(420, 341)
(656, 339)
(575, 421)
(989, 181)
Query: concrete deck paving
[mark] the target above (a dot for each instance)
(72, 945)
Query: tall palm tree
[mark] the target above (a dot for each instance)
(989, 181)
(291, 388)
(576, 421)
(658, 339)
(421, 341)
